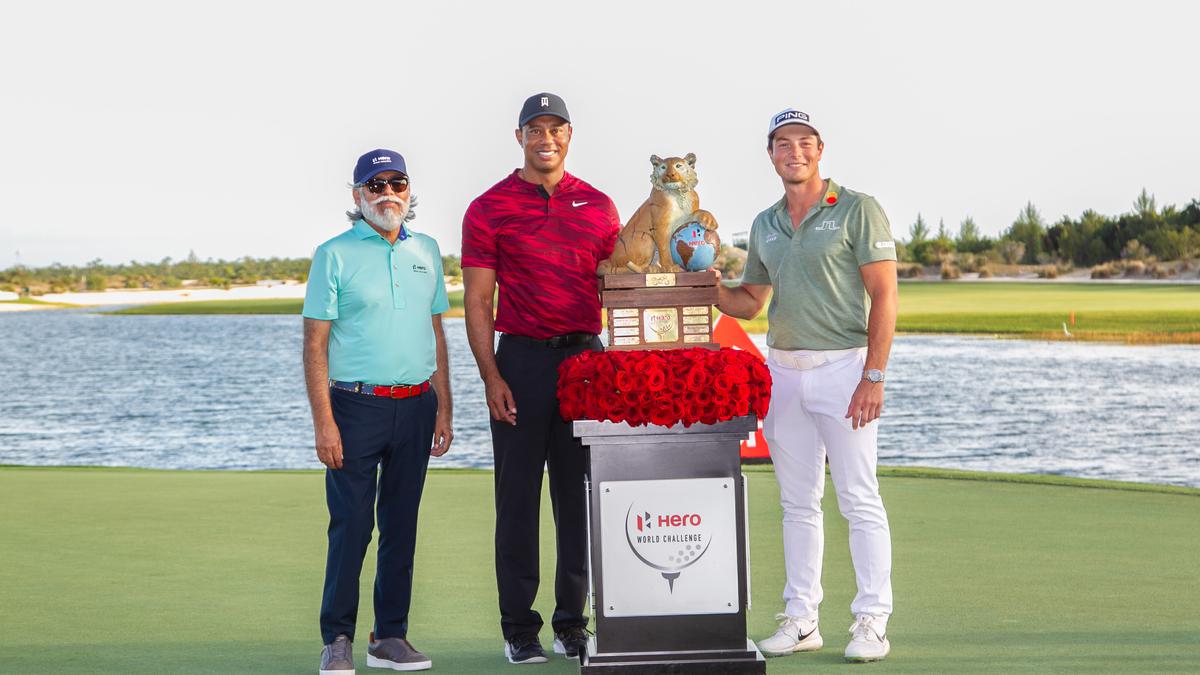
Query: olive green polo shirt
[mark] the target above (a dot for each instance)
(818, 299)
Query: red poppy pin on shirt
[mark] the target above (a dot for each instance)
(831, 197)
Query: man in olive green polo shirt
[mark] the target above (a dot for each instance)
(378, 378)
(826, 257)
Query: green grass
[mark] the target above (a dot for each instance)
(214, 572)
(1142, 312)
(266, 306)
(32, 301)
(1103, 311)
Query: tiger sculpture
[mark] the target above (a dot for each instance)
(643, 244)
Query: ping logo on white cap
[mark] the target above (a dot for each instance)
(790, 115)
(381, 160)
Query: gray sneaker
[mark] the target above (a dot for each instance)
(397, 654)
(336, 658)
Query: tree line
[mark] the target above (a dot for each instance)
(1137, 240)
(1146, 234)
(164, 274)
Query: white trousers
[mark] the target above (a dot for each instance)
(807, 422)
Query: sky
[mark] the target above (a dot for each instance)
(144, 130)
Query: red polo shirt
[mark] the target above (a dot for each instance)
(545, 250)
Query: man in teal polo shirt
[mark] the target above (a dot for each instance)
(826, 257)
(378, 379)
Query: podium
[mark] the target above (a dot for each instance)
(668, 549)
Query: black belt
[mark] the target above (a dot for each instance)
(556, 341)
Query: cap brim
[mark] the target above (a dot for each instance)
(525, 120)
(771, 134)
(380, 170)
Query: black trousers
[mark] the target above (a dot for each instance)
(377, 433)
(540, 442)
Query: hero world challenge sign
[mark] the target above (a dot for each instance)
(669, 547)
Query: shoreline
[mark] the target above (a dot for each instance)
(295, 289)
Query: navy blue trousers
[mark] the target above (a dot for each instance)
(385, 443)
(541, 443)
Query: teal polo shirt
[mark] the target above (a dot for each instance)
(818, 299)
(380, 298)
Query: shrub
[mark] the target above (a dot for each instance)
(1103, 271)
(968, 262)
(1011, 251)
(731, 261)
(909, 271)
(1047, 272)
(985, 273)
(950, 271)
(1134, 268)
(1134, 250)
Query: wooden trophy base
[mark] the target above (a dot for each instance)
(659, 311)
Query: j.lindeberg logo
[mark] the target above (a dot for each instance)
(667, 542)
(828, 225)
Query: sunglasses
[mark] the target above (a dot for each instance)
(399, 184)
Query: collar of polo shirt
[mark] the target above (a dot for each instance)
(364, 231)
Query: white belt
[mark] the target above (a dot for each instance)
(806, 359)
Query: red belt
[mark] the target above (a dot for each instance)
(384, 390)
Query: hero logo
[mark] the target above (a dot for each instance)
(667, 543)
(381, 160)
(645, 521)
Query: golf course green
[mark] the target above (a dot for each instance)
(137, 571)
(1121, 312)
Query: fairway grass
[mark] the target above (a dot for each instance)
(37, 303)
(135, 571)
(1096, 311)
(265, 306)
(1109, 312)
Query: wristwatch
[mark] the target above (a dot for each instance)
(873, 375)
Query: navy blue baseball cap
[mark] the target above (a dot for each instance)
(376, 162)
(544, 103)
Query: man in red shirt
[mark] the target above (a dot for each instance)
(539, 234)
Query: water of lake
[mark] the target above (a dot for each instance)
(227, 392)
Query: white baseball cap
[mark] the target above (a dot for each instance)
(789, 116)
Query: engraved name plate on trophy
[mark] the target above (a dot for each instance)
(660, 311)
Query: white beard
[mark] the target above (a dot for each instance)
(387, 220)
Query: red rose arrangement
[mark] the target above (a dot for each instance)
(663, 386)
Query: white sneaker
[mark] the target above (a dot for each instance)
(868, 641)
(794, 635)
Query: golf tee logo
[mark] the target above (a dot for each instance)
(666, 542)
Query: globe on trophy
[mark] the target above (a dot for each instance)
(695, 248)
